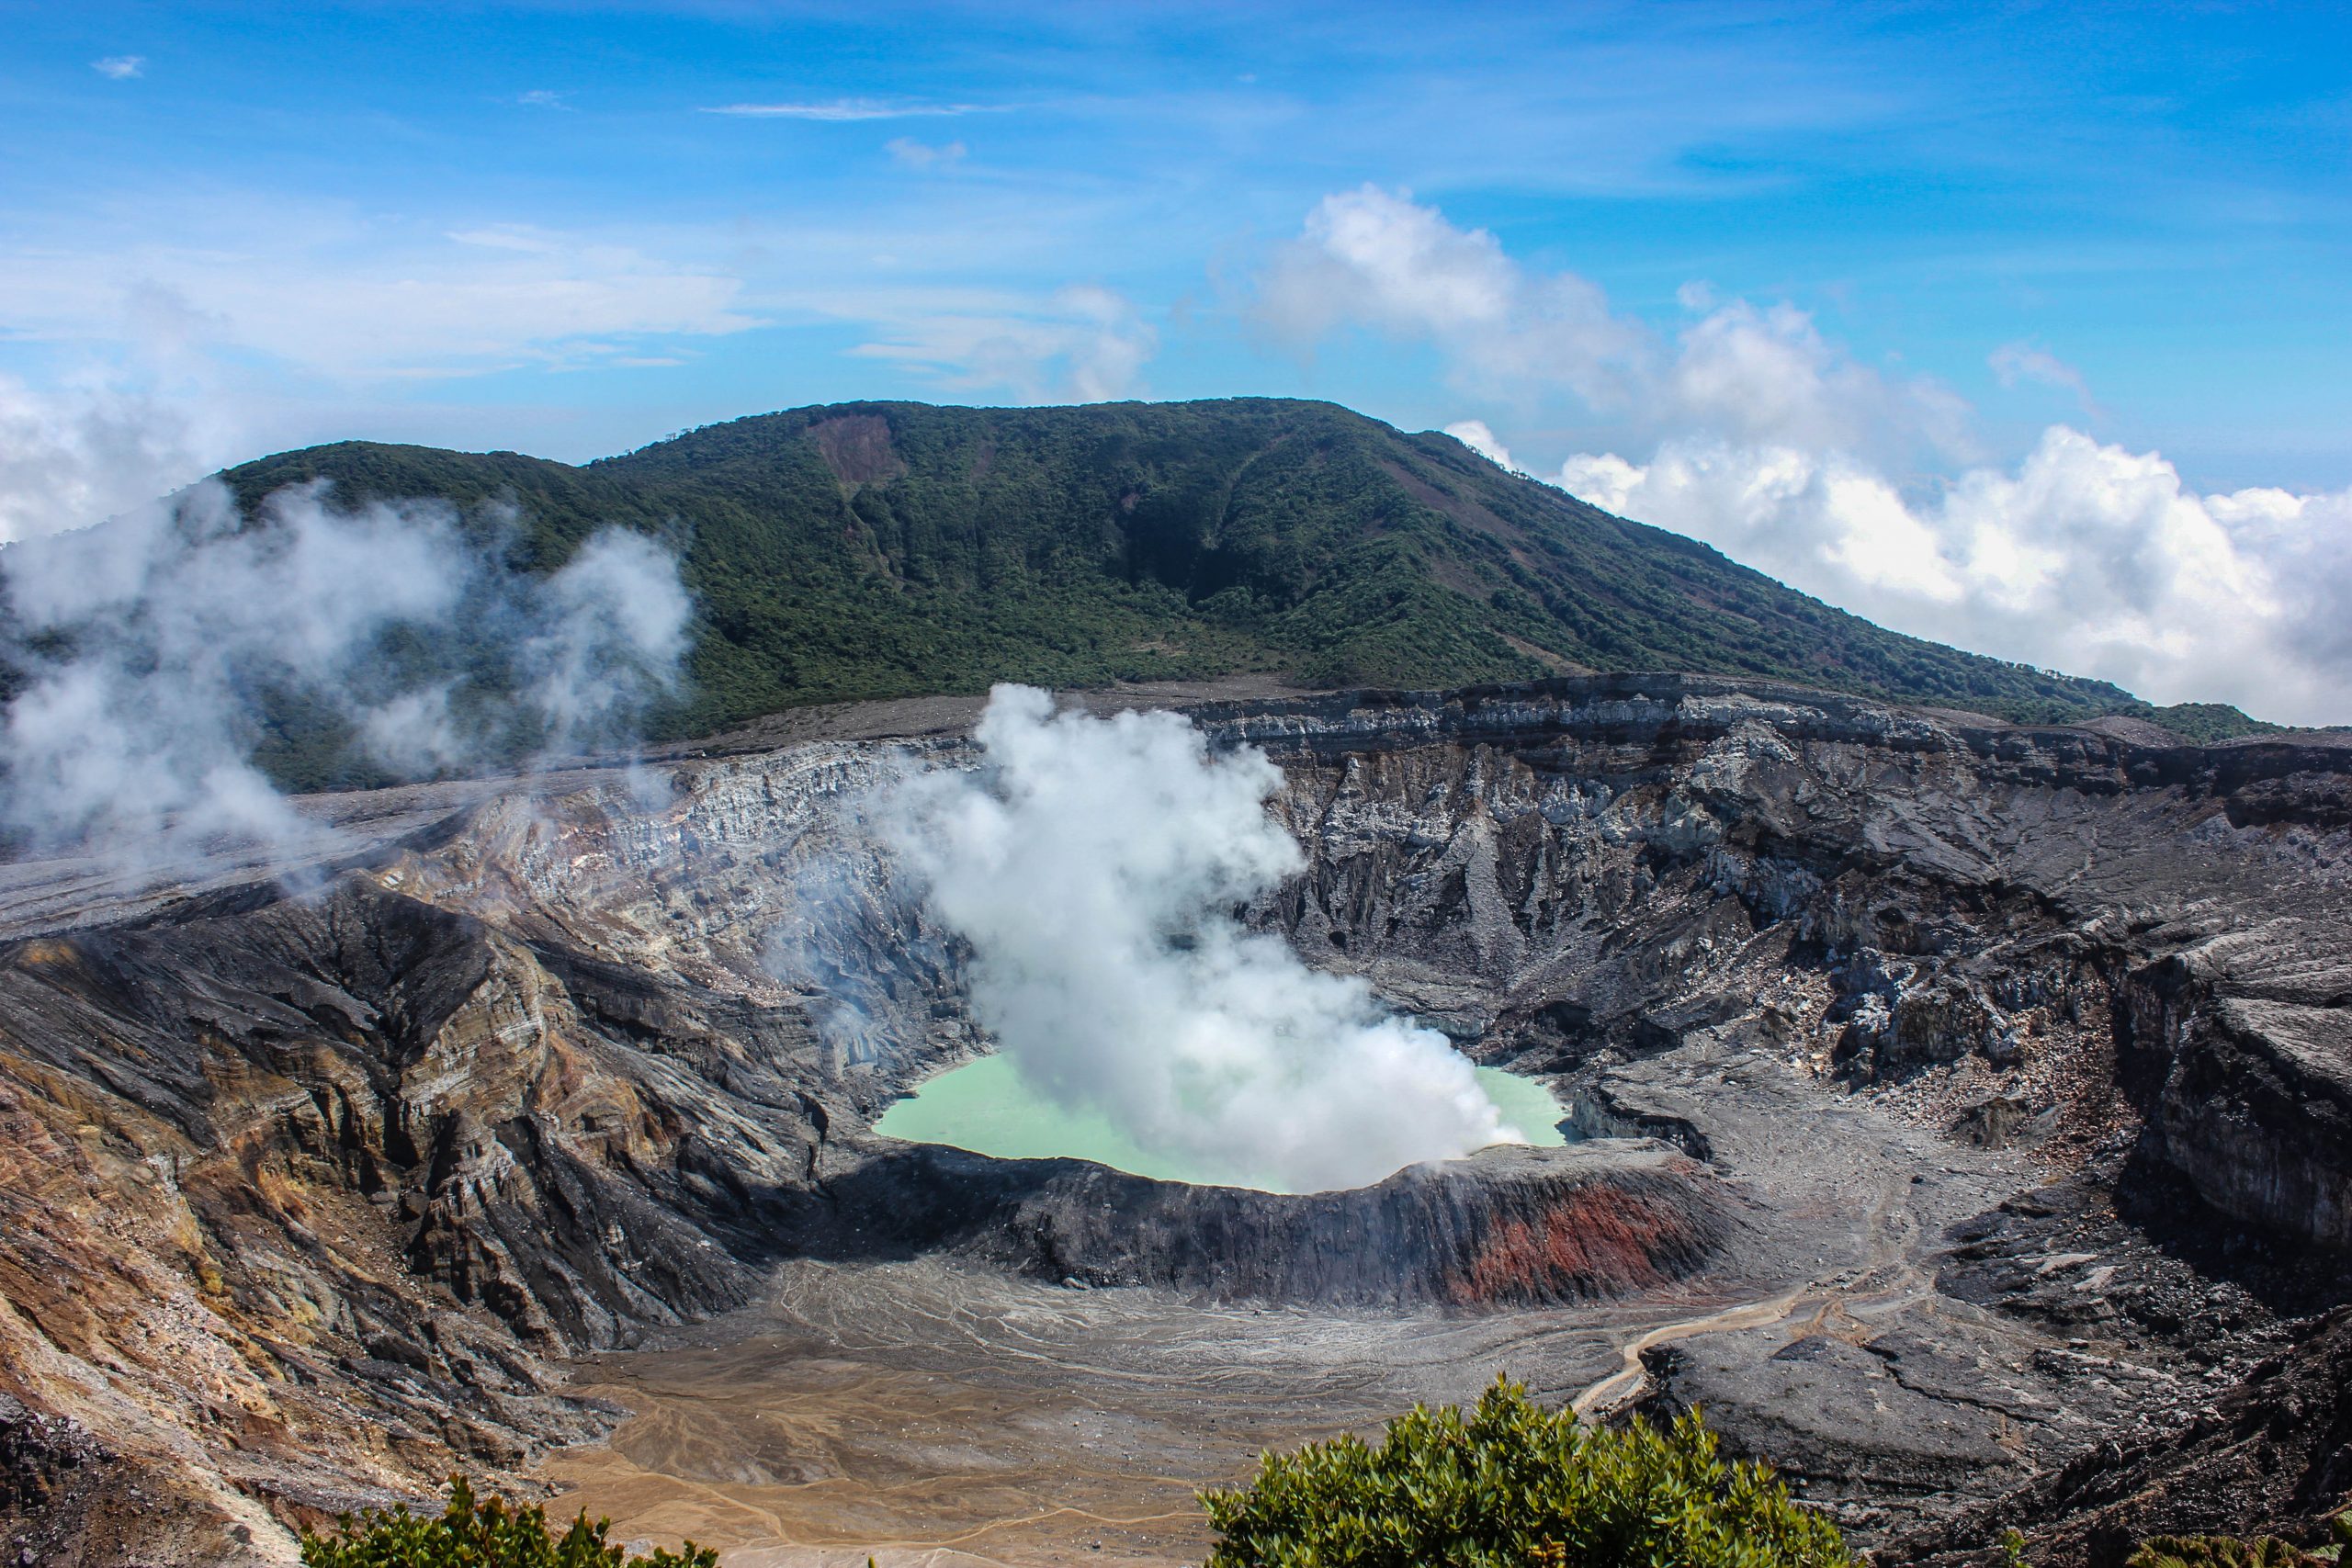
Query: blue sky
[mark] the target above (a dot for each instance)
(571, 229)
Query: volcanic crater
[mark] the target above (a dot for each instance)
(1953, 1098)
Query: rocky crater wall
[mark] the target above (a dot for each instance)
(1591, 868)
(2238, 1049)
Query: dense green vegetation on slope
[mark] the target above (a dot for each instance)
(888, 549)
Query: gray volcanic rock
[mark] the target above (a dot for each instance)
(2240, 1050)
(1508, 1227)
(1605, 862)
(1511, 1226)
(2272, 1456)
(1920, 1427)
(300, 1192)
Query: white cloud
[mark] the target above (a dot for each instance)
(846, 111)
(1084, 344)
(1774, 442)
(2084, 557)
(121, 67)
(542, 98)
(1474, 434)
(1370, 258)
(922, 155)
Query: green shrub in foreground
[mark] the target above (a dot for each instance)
(2218, 1551)
(471, 1534)
(1512, 1486)
(2228, 1551)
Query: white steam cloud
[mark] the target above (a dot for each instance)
(1093, 866)
(149, 653)
(73, 457)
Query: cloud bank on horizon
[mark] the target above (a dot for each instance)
(1759, 436)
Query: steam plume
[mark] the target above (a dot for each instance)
(148, 654)
(1093, 864)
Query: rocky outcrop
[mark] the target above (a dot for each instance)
(1511, 1227)
(2238, 1047)
(2273, 1456)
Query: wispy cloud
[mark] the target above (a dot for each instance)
(508, 238)
(841, 110)
(2021, 361)
(1371, 259)
(321, 292)
(542, 98)
(922, 155)
(1084, 344)
(121, 67)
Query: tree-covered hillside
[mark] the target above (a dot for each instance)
(883, 550)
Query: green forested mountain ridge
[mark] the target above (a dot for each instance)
(883, 550)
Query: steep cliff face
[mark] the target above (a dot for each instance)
(300, 1191)
(2239, 1046)
(305, 1192)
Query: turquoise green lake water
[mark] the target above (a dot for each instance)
(985, 1106)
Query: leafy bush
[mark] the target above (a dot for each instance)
(2227, 1551)
(1511, 1484)
(2218, 1551)
(471, 1534)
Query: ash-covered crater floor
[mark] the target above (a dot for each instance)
(928, 1411)
(1956, 1099)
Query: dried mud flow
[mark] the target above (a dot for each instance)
(1963, 1112)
